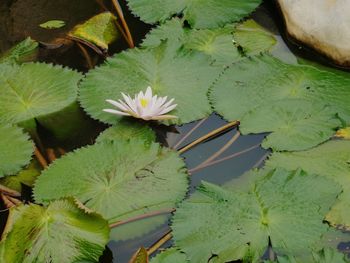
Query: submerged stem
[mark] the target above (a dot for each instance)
(209, 135)
(40, 158)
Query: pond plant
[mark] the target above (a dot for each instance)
(205, 56)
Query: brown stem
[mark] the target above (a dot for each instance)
(40, 158)
(61, 151)
(9, 191)
(160, 242)
(125, 25)
(223, 159)
(209, 135)
(7, 202)
(154, 213)
(51, 154)
(189, 133)
(86, 55)
(14, 200)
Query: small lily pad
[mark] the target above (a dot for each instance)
(53, 24)
(59, 233)
(16, 149)
(24, 51)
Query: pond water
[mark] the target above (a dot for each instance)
(20, 18)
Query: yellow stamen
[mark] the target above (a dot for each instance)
(144, 102)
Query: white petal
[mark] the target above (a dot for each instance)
(118, 105)
(164, 117)
(130, 102)
(148, 93)
(168, 109)
(116, 112)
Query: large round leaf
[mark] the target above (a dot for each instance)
(180, 76)
(15, 149)
(330, 159)
(295, 124)
(200, 14)
(265, 80)
(60, 233)
(35, 90)
(227, 225)
(118, 179)
(170, 255)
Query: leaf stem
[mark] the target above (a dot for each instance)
(209, 135)
(223, 159)
(189, 133)
(160, 242)
(125, 25)
(85, 54)
(143, 216)
(40, 158)
(9, 191)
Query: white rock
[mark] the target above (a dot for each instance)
(321, 24)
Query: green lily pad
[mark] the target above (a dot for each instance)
(265, 80)
(170, 255)
(331, 160)
(128, 130)
(60, 233)
(199, 14)
(253, 38)
(26, 177)
(34, 91)
(15, 149)
(100, 30)
(326, 255)
(23, 52)
(295, 124)
(225, 225)
(180, 76)
(52, 24)
(118, 179)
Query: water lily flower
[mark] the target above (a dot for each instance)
(144, 106)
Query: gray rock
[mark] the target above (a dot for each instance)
(321, 24)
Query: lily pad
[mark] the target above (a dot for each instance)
(119, 179)
(22, 52)
(170, 255)
(128, 130)
(265, 80)
(331, 160)
(225, 225)
(34, 91)
(180, 76)
(100, 30)
(295, 124)
(199, 14)
(52, 24)
(60, 233)
(16, 149)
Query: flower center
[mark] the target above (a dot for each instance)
(144, 102)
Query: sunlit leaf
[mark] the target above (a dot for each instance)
(15, 149)
(179, 76)
(100, 30)
(332, 160)
(60, 233)
(295, 124)
(35, 91)
(52, 24)
(225, 225)
(170, 255)
(199, 14)
(119, 179)
(141, 256)
(22, 52)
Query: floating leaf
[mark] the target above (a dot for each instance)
(27, 177)
(100, 30)
(22, 52)
(253, 38)
(227, 225)
(128, 130)
(60, 233)
(52, 24)
(295, 124)
(15, 149)
(181, 76)
(118, 179)
(265, 80)
(141, 256)
(199, 14)
(331, 160)
(170, 255)
(343, 133)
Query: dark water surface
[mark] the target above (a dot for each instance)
(20, 18)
